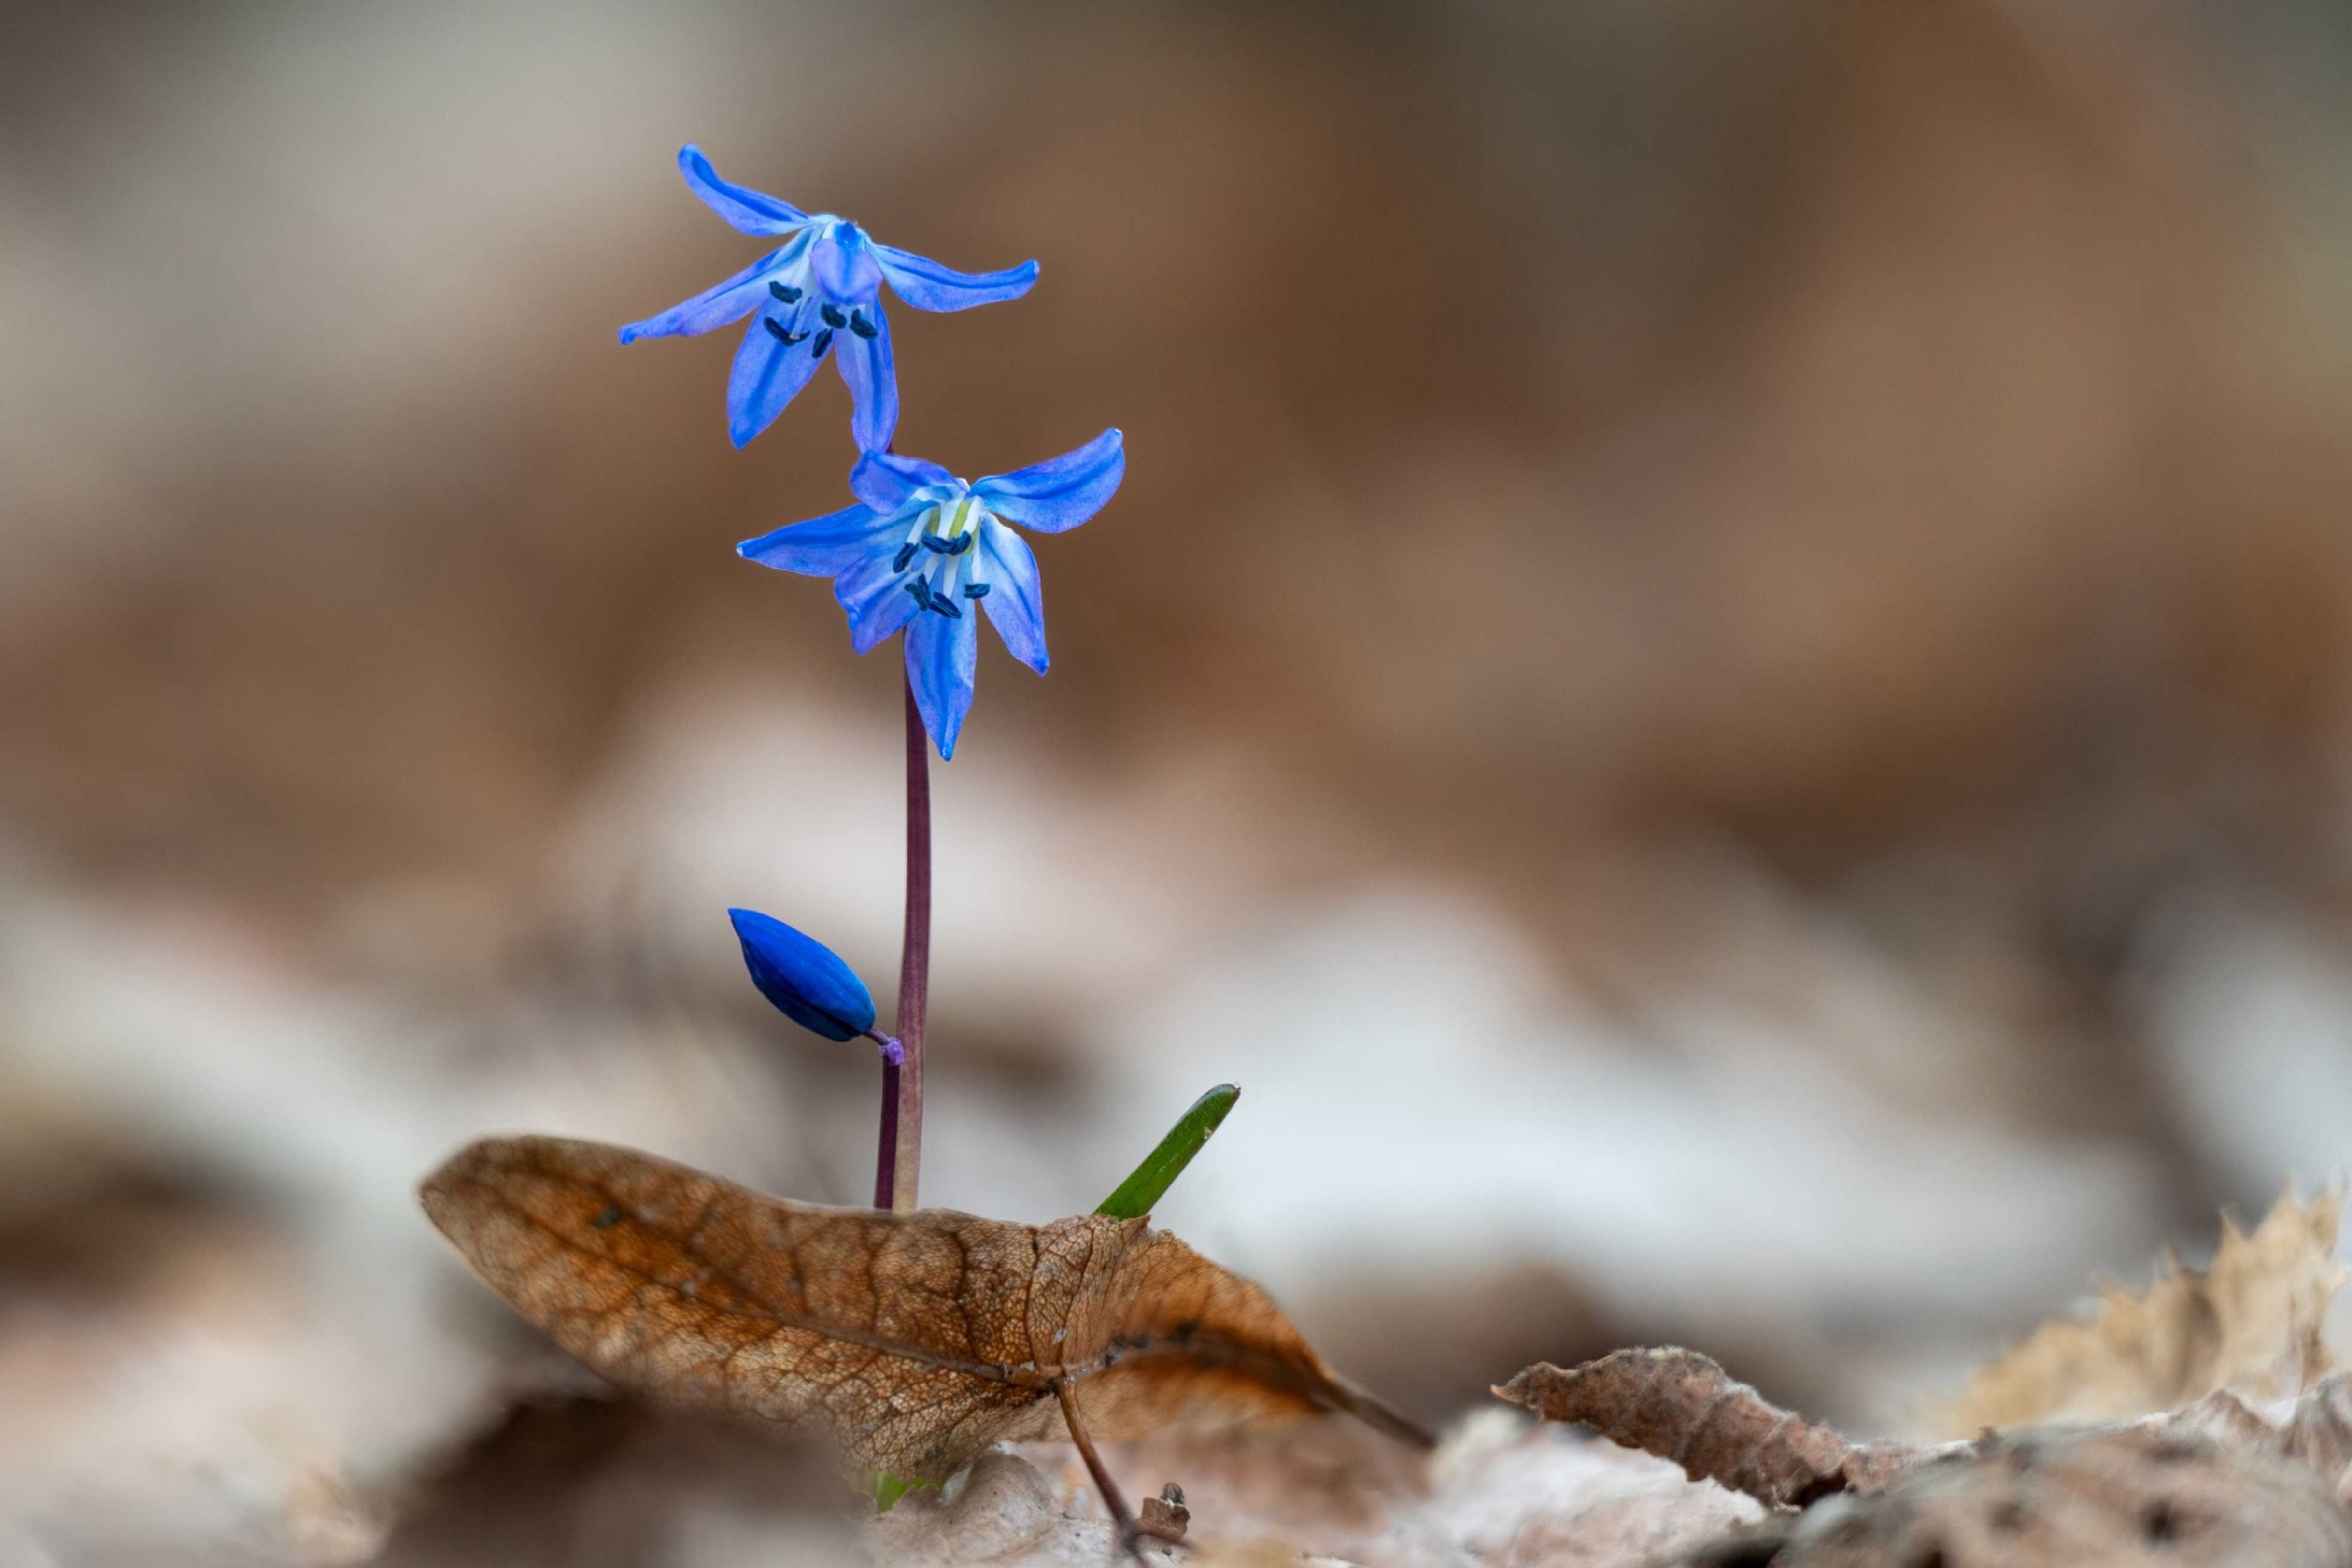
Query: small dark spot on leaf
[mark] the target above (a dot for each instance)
(609, 1218)
(1817, 1488)
(2160, 1522)
(1931, 1557)
(2007, 1514)
(1754, 1546)
(1742, 1554)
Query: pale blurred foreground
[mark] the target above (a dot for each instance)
(1721, 683)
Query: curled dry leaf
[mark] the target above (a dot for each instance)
(912, 1340)
(2249, 1323)
(1681, 1405)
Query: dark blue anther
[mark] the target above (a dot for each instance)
(975, 590)
(963, 543)
(775, 329)
(862, 327)
(832, 314)
(946, 607)
(938, 546)
(789, 295)
(824, 342)
(905, 553)
(916, 586)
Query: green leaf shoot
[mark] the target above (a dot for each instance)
(888, 1490)
(1137, 1196)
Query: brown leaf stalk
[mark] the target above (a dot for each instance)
(1120, 1515)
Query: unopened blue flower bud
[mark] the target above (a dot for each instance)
(806, 980)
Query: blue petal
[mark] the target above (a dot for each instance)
(747, 209)
(806, 980)
(823, 546)
(768, 374)
(1062, 493)
(1015, 600)
(868, 369)
(943, 656)
(927, 286)
(876, 599)
(843, 265)
(715, 306)
(886, 481)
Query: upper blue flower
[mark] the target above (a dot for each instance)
(820, 289)
(806, 980)
(921, 547)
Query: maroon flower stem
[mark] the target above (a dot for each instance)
(886, 1148)
(902, 1086)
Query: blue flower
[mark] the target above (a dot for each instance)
(921, 548)
(820, 289)
(806, 980)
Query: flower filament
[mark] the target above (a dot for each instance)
(938, 560)
(799, 310)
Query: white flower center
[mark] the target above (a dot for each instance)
(798, 310)
(939, 562)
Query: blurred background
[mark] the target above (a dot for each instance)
(1721, 681)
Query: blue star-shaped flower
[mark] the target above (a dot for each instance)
(820, 290)
(922, 548)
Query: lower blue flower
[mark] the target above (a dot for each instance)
(806, 980)
(925, 552)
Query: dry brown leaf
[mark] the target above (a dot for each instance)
(1682, 1406)
(2316, 1429)
(2213, 1482)
(1165, 1516)
(913, 1341)
(2249, 1323)
(2319, 1433)
(2117, 1497)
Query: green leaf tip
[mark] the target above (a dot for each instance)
(888, 1490)
(1141, 1190)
